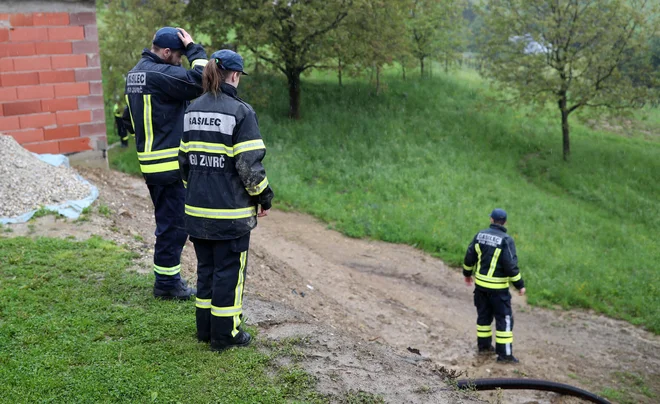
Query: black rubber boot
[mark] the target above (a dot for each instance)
(486, 350)
(507, 359)
(243, 338)
(180, 292)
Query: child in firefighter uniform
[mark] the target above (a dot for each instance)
(220, 160)
(491, 257)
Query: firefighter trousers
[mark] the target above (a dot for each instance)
(121, 130)
(221, 268)
(495, 304)
(170, 233)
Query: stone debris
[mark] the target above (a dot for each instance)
(27, 183)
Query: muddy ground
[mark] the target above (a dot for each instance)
(358, 305)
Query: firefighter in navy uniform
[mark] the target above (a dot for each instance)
(158, 90)
(119, 124)
(491, 257)
(220, 159)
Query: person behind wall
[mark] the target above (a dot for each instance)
(158, 90)
(227, 189)
(119, 124)
(491, 258)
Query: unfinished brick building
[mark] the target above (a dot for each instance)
(51, 96)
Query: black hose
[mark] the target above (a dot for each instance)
(529, 384)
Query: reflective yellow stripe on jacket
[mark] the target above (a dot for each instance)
(219, 148)
(148, 123)
(248, 146)
(148, 155)
(159, 154)
(241, 213)
(199, 62)
(488, 281)
(205, 147)
(259, 188)
(159, 168)
(130, 113)
(493, 262)
(491, 283)
(478, 250)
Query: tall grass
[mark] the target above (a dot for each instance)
(425, 162)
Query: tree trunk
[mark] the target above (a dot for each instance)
(403, 68)
(421, 66)
(293, 78)
(446, 64)
(339, 68)
(431, 68)
(565, 129)
(377, 79)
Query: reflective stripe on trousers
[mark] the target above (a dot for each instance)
(169, 271)
(236, 310)
(484, 331)
(168, 203)
(220, 285)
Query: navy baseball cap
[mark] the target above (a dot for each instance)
(167, 37)
(498, 214)
(228, 60)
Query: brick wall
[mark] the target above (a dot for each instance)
(51, 97)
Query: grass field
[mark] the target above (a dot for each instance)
(76, 326)
(426, 161)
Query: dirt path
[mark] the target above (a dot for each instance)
(403, 297)
(388, 298)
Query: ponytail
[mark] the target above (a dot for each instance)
(212, 77)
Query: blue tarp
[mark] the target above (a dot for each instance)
(68, 209)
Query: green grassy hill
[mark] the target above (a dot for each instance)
(426, 161)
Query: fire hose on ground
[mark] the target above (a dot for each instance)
(529, 384)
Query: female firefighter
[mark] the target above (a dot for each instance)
(226, 190)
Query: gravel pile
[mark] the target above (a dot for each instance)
(27, 183)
